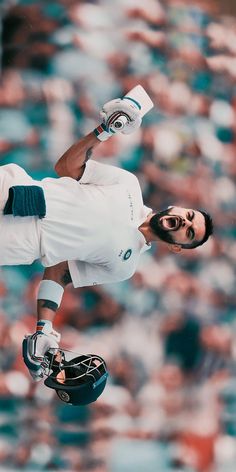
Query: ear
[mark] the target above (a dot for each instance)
(174, 248)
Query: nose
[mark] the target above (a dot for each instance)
(186, 223)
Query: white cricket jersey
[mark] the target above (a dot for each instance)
(93, 224)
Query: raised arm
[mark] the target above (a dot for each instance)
(119, 115)
(72, 162)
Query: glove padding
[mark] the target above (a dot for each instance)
(36, 345)
(113, 109)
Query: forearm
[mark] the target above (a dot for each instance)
(118, 115)
(46, 307)
(72, 162)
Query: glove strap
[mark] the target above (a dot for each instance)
(101, 132)
(44, 327)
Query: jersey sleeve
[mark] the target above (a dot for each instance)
(84, 274)
(103, 174)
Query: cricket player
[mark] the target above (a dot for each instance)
(88, 227)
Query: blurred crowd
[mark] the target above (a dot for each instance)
(169, 333)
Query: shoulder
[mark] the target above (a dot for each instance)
(105, 174)
(125, 267)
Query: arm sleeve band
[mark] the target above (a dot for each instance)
(50, 290)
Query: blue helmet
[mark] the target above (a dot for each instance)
(77, 381)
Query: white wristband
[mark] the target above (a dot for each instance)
(50, 290)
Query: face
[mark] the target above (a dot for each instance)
(182, 225)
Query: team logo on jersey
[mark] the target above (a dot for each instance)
(127, 254)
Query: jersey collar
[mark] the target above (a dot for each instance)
(144, 245)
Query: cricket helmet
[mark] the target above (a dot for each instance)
(77, 379)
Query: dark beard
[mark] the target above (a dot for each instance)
(157, 229)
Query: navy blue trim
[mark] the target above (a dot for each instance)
(132, 100)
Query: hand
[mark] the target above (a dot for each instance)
(123, 111)
(36, 345)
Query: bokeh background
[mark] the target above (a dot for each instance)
(169, 333)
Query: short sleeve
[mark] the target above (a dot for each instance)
(102, 174)
(84, 274)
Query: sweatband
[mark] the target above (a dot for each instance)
(50, 290)
(101, 132)
(25, 200)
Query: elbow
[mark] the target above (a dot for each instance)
(74, 172)
(59, 169)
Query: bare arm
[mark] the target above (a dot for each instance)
(59, 273)
(45, 337)
(72, 162)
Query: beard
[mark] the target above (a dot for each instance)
(157, 228)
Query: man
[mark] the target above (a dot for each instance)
(93, 229)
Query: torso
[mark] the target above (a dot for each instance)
(91, 223)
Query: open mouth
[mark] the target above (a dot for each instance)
(170, 223)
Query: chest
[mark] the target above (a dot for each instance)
(125, 206)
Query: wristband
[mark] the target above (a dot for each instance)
(50, 290)
(102, 133)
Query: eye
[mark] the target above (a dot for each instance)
(191, 234)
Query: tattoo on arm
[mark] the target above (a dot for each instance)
(88, 154)
(66, 278)
(49, 304)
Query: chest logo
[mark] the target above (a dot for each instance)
(127, 254)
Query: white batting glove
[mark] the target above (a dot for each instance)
(118, 108)
(121, 115)
(36, 345)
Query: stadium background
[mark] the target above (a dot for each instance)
(169, 333)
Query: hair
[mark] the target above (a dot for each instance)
(208, 232)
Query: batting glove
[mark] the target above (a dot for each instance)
(121, 115)
(36, 345)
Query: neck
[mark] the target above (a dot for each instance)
(146, 231)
